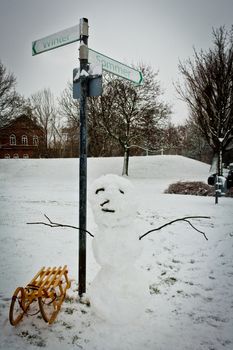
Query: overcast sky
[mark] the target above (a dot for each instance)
(156, 32)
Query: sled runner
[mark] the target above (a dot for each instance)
(49, 287)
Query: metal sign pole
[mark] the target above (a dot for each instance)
(83, 57)
(85, 84)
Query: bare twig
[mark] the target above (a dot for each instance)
(55, 224)
(180, 219)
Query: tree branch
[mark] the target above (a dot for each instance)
(55, 224)
(180, 219)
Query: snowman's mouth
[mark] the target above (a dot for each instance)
(108, 210)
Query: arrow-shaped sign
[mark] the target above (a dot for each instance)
(71, 35)
(58, 39)
(115, 67)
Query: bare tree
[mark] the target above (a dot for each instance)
(194, 143)
(100, 142)
(11, 103)
(69, 107)
(44, 110)
(118, 115)
(131, 114)
(208, 91)
(69, 110)
(125, 115)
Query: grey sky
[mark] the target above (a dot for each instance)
(157, 32)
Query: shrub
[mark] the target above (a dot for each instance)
(230, 192)
(196, 188)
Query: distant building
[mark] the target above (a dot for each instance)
(22, 137)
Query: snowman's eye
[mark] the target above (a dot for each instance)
(99, 190)
(122, 192)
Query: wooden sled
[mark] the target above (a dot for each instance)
(49, 287)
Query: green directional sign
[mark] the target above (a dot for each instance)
(115, 67)
(58, 39)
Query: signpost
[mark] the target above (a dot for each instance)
(58, 39)
(87, 82)
(115, 67)
(67, 36)
(83, 58)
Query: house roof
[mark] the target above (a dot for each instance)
(20, 119)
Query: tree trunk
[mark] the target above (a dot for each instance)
(125, 170)
(220, 170)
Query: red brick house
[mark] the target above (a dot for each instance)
(21, 138)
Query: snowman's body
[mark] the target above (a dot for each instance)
(116, 246)
(117, 293)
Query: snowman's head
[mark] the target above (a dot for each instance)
(112, 200)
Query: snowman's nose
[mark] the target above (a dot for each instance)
(106, 202)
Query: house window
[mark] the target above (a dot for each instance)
(16, 156)
(7, 156)
(35, 140)
(24, 140)
(12, 140)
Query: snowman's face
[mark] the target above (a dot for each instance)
(112, 199)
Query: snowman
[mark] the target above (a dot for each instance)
(118, 292)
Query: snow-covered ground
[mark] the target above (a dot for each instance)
(190, 279)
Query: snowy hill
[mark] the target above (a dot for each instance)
(190, 279)
(140, 167)
(47, 173)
